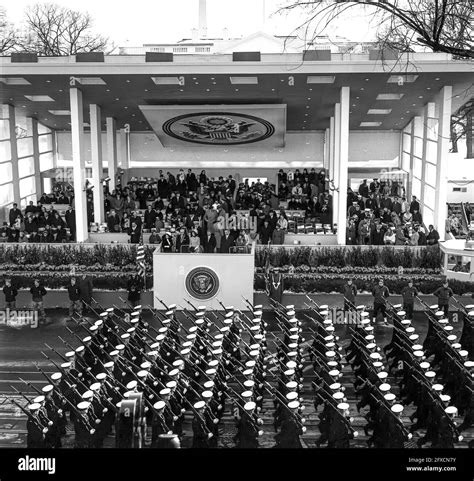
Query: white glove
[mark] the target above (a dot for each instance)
(104, 410)
(351, 420)
(460, 438)
(60, 411)
(303, 408)
(215, 421)
(209, 436)
(303, 420)
(303, 429)
(175, 418)
(356, 433)
(183, 410)
(260, 433)
(92, 431)
(97, 421)
(45, 430)
(50, 423)
(410, 435)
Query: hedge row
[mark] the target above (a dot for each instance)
(391, 257)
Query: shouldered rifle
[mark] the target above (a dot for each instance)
(162, 303)
(43, 429)
(56, 352)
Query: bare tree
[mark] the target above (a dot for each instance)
(52, 30)
(462, 127)
(437, 25)
(8, 34)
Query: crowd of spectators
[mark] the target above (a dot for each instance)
(379, 214)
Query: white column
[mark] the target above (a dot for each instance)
(428, 111)
(14, 154)
(326, 150)
(33, 127)
(337, 145)
(331, 148)
(78, 161)
(96, 155)
(112, 151)
(444, 119)
(343, 165)
(416, 132)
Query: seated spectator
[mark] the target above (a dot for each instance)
(389, 237)
(278, 236)
(154, 237)
(113, 221)
(378, 235)
(194, 242)
(400, 238)
(433, 237)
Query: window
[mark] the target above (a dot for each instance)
(158, 49)
(42, 129)
(45, 143)
(203, 49)
(5, 153)
(27, 186)
(459, 189)
(180, 49)
(26, 167)
(6, 172)
(25, 146)
(6, 194)
(46, 161)
(4, 129)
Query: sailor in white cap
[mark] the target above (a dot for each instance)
(84, 426)
(248, 428)
(36, 426)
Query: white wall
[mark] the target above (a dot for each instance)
(235, 272)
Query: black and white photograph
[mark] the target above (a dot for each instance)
(236, 232)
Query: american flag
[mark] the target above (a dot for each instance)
(141, 269)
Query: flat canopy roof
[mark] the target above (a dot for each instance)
(121, 84)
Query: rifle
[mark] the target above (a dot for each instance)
(162, 303)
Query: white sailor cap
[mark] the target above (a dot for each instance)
(291, 385)
(417, 347)
(250, 363)
(437, 387)
(369, 337)
(294, 345)
(364, 314)
(291, 364)
(80, 349)
(463, 353)
(213, 363)
(229, 314)
(170, 384)
(34, 407)
(324, 313)
(101, 376)
(327, 322)
(452, 410)
(247, 394)
(384, 387)
(469, 364)
(165, 322)
(83, 406)
(443, 321)
(291, 313)
(470, 313)
(456, 345)
(452, 338)
(292, 320)
(199, 405)
(338, 395)
(372, 345)
(382, 375)
(208, 385)
(142, 374)
(159, 405)
(104, 314)
(99, 323)
(119, 347)
(109, 310)
(210, 372)
(323, 307)
(249, 384)
(185, 352)
(406, 322)
(93, 328)
(377, 364)
(173, 372)
(110, 364)
(169, 313)
(70, 354)
(389, 396)
(192, 330)
(430, 374)
(131, 329)
(88, 395)
(418, 354)
(434, 307)
(294, 337)
(343, 406)
(369, 328)
(202, 308)
(401, 313)
(329, 354)
(375, 355)
(332, 364)
(125, 336)
(251, 353)
(171, 306)
(162, 330)
(48, 388)
(66, 365)
(334, 373)
(445, 398)
(365, 322)
(165, 391)
(56, 376)
(329, 328)
(199, 315)
(439, 313)
(425, 365)
(178, 362)
(335, 386)
(410, 330)
(448, 328)
(131, 385)
(413, 337)
(249, 406)
(258, 313)
(95, 386)
(290, 307)
(397, 408)
(248, 372)
(292, 395)
(145, 365)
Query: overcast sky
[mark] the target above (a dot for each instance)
(148, 21)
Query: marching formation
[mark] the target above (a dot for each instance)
(143, 383)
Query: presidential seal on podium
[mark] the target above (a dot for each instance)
(202, 283)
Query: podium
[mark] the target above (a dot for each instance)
(203, 279)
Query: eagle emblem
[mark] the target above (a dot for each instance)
(218, 128)
(202, 283)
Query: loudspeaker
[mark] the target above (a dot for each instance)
(90, 57)
(24, 57)
(246, 56)
(315, 55)
(158, 57)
